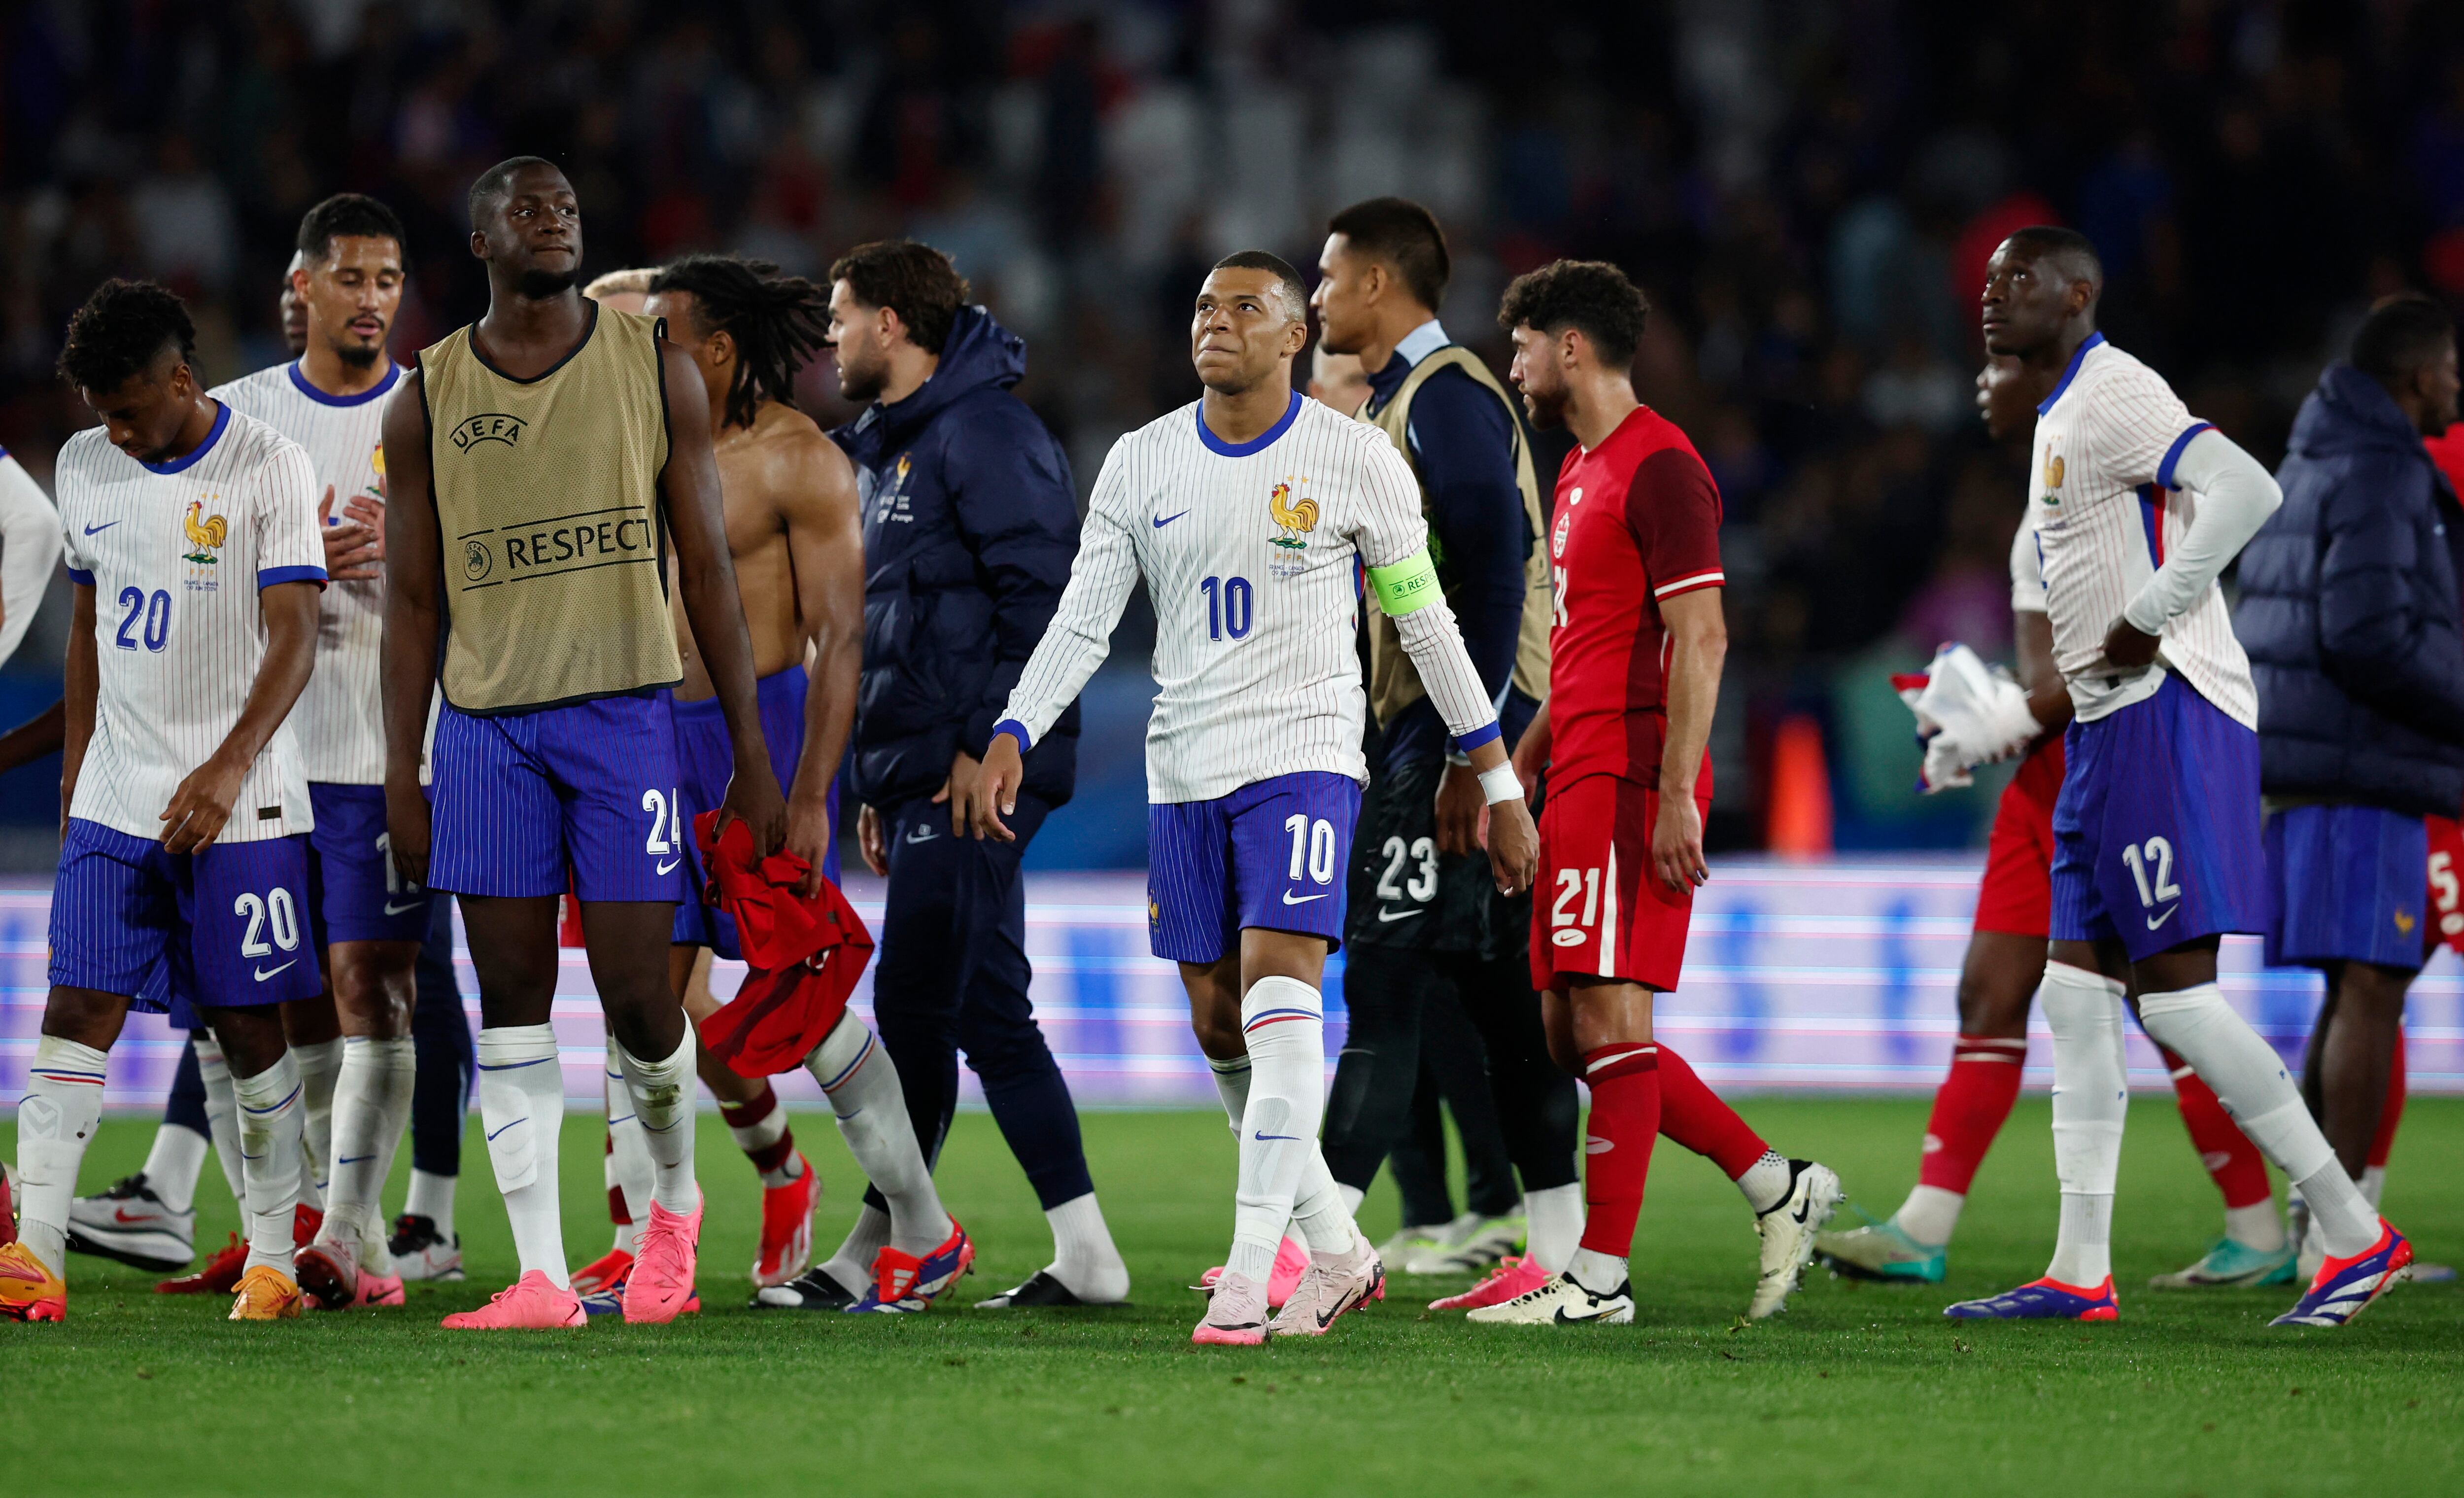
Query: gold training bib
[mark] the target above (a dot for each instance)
(1393, 682)
(548, 504)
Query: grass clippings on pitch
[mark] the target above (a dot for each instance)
(1861, 1389)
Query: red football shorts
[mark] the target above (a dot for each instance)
(2446, 869)
(1598, 909)
(2018, 897)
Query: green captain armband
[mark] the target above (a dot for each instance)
(1406, 585)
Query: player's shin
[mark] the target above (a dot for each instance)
(2091, 1101)
(629, 1173)
(2231, 1162)
(371, 1104)
(662, 1091)
(2250, 1081)
(320, 1071)
(1626, 1085)
(55, 1120)
(222, 1110)
(1969, 1111)
(522, 1107)
(273, 1164)
(1284, 1025)
(862, 1084)
(1555, 1218)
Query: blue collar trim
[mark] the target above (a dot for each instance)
(300, 380)
(222, 420)
(1256, 444)
(2070, 373)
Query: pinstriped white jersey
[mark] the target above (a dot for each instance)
(2107, 515)
(339, 719)
(2027, 570)
(175, 556)
(1248, 556)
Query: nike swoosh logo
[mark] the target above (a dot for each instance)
(354, 1160)
(1160, 525)
(670, 865)
(2154, 921)
(104, 527)
(121, 1215)
(923, 834)
(1385, 914)
(1290, 1136)
(392, 908)
(262, 974)
(1304, 899)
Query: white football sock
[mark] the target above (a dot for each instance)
(1084, 1257)
(1283, 1022)
(2373, 1184)
(222, 1112)
(55, 1121)
(1232, 1088)
(2091, 1104)
(1766, 1182)
(371, 1100)
(1353, 1197)
(521, 1106)
(862, 1084)
(321, 1068)
(2256, 1225)
(173, 1166)
(627, 1166)
(663, 1100)
(273, 1162)
(1554, 1225)
(852, 1264)
(1930, 1215)
(431, 1197)
(2250, 1082)
(1597, 1273)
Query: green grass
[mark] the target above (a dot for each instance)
(1859, 1390)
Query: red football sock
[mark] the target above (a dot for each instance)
(1624, 1079)
(1970, 1109)
(1693, 1115)
(759, 1127)
(2390, 1112)
(2239, 1169)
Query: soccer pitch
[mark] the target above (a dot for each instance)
(1860, 1389)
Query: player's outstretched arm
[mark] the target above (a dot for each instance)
(1101, 578)
(201, 805)
(706, 576)
(825, 542)
(1697, 643)
(407, 658)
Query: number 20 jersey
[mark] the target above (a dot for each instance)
(175, 553)
(1248, 552)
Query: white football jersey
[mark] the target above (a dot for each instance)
(341, 718)
(1249, 554)
(2107, 515)
(175, 555)
(2026, 569)
(30, 551)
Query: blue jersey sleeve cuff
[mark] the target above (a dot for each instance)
(81, 579)
(1018, 731)
(1477, 737)
(2173, 453)
(269, 576)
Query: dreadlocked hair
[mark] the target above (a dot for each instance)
(779, 323)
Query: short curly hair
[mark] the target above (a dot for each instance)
(918, 282)
(1593, 296)
(121, 330)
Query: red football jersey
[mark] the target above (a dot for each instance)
(1637, 522)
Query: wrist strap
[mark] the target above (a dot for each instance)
(1501, 784)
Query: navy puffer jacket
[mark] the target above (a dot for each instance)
(2351, 614)
(970, 525)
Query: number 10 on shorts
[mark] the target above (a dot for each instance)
(1312, 843)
